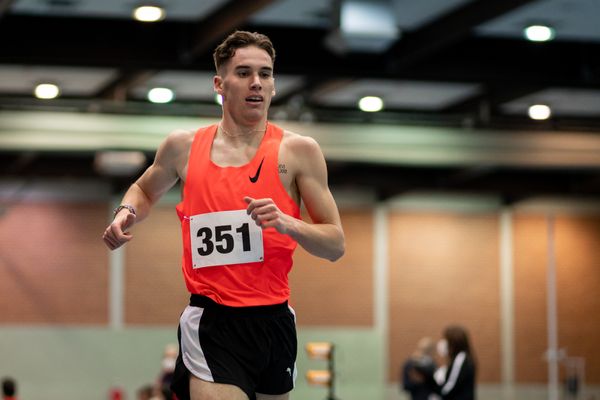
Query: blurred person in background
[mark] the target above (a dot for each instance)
(456, 380)
(9, 389)
(145, 392)
(455, 377)
(167, 369)
(420, 365)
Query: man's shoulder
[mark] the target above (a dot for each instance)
(186, 134)
(178, 140)
(180, 133)
(298, 142)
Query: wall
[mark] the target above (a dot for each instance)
(444, 270)
(59, 288)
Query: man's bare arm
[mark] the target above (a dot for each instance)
(149, 188)
(324, 237)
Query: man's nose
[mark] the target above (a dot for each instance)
(256, 82)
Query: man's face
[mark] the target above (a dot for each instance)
(247, 85)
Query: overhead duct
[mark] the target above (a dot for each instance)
(363, 26)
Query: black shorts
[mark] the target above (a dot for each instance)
(253, 348)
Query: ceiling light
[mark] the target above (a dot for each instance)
(160, 95)
(149, 13)
(46, 91)
(539, 112)
(218, 99)
(539, 33)
(370, 104)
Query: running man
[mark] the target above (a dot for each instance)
(243, 182)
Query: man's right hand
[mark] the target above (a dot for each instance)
(116, 235)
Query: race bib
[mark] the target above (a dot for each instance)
(223, 238)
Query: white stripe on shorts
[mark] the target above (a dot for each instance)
(193, 356)
(295, 374)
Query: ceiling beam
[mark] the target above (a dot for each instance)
(417, 46)
(118, 88)
(227, 18)
(491, 98)
(386, 181)
(313, 87)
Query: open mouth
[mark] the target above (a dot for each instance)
(254, 99)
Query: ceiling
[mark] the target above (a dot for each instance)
(453, 63)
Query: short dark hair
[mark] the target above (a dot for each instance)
(238, 39)
(9, 387)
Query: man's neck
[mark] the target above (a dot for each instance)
(239, 134)
(233, 127)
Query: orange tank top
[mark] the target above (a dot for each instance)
(226, 257)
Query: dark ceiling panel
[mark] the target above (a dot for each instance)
(418, 46)
(206, 33)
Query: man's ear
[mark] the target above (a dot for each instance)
(218, 84)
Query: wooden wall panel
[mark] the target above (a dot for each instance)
(530, 262)
(578, 280)
(53, 264)
(155, 291)
(339, 293)
(578, 293)
(444, 269)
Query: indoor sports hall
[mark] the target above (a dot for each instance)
(461, 140)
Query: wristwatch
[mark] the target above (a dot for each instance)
(122, 206)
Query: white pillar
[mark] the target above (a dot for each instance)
(552, 353)
(507, 339)
(116, 261)
(380, 290)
